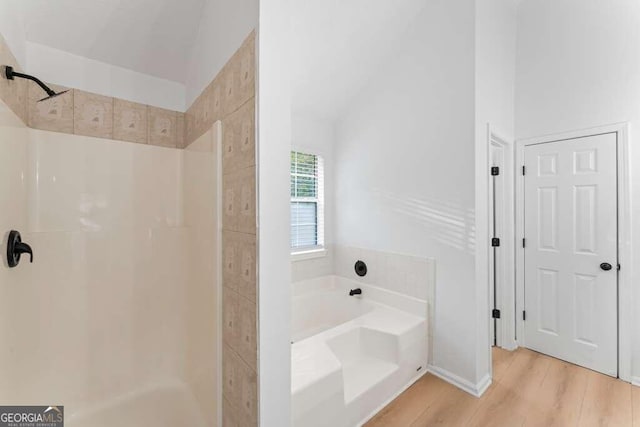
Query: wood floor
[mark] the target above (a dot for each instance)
(529, 389)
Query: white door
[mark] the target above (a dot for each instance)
(571, 239)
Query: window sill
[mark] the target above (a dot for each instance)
(308, 254)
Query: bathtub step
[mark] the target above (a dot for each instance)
(363, 374)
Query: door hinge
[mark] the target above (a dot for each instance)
(524, 315)
(524, 169)
(618, 267)
(495, 313)
(495, 242)
(495, 170)
(523, 242)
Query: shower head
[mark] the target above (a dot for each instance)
(10, 74)
(53, 96)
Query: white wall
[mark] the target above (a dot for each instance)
(495, 101)
(337, 43)
(13, 30)
(222, 29)
(495, 65)
(578, 66)
(405, 168)
(66, 69)
(273, 162)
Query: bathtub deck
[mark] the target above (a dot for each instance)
(363, 374)
(352, 354)
(356, 365)
(312, 359)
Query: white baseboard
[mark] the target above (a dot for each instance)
(509, 346)
(476, 390)
(635, 381)
(483, 385)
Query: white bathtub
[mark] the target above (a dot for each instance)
(352, 354)
(319, 304)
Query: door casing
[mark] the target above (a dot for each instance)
(505, 290)
(624, 240)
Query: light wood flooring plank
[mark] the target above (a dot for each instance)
(635, 408)
(529, 390)
(454, 408)
(607, 402)
(502, 359)
(410, 404)
(559, 400)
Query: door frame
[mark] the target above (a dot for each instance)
(505, 292)
(625, 314)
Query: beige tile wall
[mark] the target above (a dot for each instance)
(231, 98)
(130, 121)
(13, 93)
(83, 113)
(55, 114)
(92, 114)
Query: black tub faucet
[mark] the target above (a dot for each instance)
(356, 291)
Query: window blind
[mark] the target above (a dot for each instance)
(307, 201)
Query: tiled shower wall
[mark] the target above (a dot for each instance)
(88, 114)
(13, 93)
(230, 97)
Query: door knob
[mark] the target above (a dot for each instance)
(605, 266)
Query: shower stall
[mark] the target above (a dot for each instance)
(119, 318)
(119, 309)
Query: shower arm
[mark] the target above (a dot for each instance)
(11, 75)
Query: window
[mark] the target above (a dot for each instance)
(307, 202)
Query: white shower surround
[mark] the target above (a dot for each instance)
(351, 355)
(140, 408)
(99, 322)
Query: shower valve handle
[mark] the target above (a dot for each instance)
(23, 248)
(15, 248)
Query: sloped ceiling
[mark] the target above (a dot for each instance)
(336, 46)
(149, 36)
